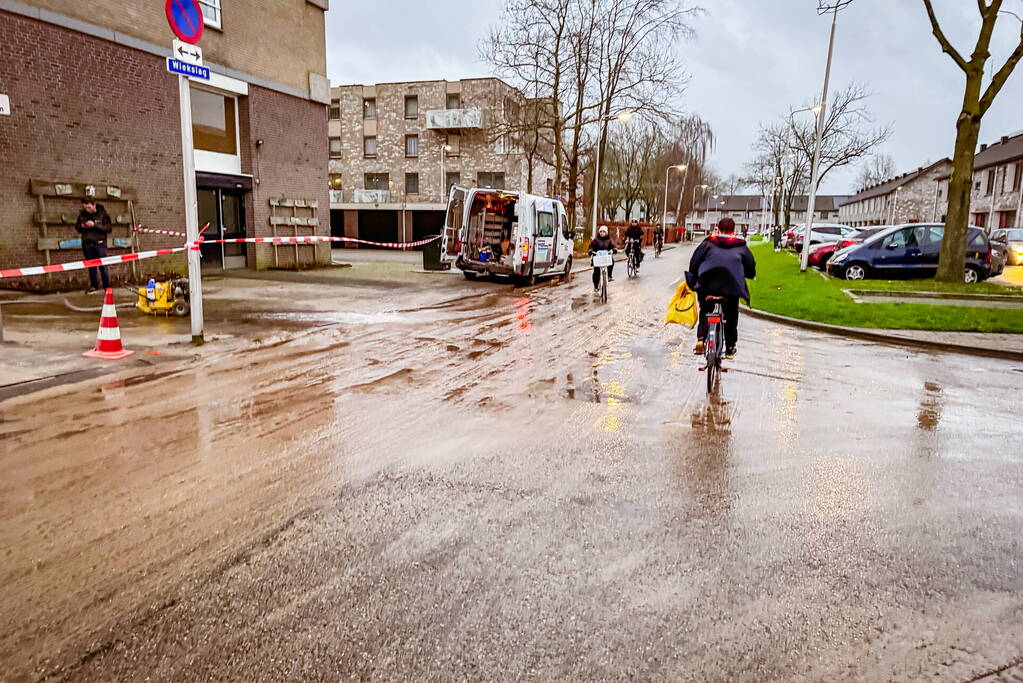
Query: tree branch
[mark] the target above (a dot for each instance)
(946, 46)
(1002, 75)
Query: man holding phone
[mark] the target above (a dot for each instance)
(94, 225)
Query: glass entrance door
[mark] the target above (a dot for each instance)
(224, 210)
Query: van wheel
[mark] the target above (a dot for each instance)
(856, 271)
(567, 277)
(972, 275)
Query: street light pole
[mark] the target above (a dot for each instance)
(895, 207)
(443, 172)
(702, 187)
(664, 213)
(811, 201)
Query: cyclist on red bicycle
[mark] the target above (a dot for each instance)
(720, 267)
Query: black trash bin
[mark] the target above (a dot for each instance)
(431, 257)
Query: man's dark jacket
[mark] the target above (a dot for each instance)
(634, 232)
(97, 234)
(721, 265)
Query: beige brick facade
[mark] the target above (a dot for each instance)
(249, 39)
(400, 178)
(914, 197)
(996, 200)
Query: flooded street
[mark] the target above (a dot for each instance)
(495, 482)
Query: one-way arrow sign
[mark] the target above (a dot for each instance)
(190, 54)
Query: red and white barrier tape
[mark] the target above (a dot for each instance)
(310, 239)
(139, 228)
(142, 255)
(89, 263)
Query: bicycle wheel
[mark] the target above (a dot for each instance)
(603, 285)
(632, 266)
(710, 354)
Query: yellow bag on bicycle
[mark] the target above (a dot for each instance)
(683, 308)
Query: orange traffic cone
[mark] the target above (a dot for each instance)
(108, 340)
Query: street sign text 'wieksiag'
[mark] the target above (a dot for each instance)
(176, 66)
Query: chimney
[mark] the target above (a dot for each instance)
(1005, 138)
(983, 146)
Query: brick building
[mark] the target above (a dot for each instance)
(93, 110)
(751, 211)
(997, 197)
(914, 197)
(396, 149)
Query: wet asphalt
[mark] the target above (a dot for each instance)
(517, 483)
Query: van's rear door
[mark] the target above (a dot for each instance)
(451, 235)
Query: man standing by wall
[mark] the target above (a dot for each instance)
(94, 226)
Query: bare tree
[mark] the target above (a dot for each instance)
(780, 169)
(876, 169)
(590, 59)
(976, 102)
(848, 133)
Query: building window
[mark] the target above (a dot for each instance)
(411, 183)
(211, 13)
(1017, 181)
(335, 182)
(454, 101)
(369, 108)
(334, 111)
(335, 148)
(492, 180)
(377, 181)
(411, 106)
(452, 178)
(411, 145)
(214, 122)
(369, 148)
(990, 181)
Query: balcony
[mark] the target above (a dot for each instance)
(454, 119)
(372, 196)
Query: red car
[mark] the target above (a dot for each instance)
(821, 253)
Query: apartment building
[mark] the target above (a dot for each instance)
(94, 111)
(397, 148)
(914, 197)
(996, 200)
(751, 211)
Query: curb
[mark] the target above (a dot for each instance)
(856, 333)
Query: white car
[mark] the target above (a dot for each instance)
(823, 232)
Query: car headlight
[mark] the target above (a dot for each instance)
(839, 257)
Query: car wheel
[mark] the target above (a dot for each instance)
(856, 271)
(972, 275)
(469, 275)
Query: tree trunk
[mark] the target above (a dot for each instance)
(952, 263)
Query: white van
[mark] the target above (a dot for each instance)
(506, 233)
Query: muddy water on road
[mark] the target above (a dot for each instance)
(523, 481)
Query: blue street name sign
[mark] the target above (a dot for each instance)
(185, 69)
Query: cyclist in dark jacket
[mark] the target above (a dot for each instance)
(720, 267)
(602, 242)
(635, 233)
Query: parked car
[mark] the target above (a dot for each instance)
(822, 232)
(909, 251)
(1013, 238)
(820, 254)
(999, 251)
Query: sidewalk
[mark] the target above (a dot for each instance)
(1007, 346)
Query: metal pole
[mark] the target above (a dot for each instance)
(664, 213)
(811, 201)
(934, 209)
(994, 198)
(443, 176)
(895, 207)
(1019, 204)
(191, 210)
(596, 181)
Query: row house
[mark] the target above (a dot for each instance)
(914, 197)
(752, 212)
(94, 112)
(396, 149)
(996, 199)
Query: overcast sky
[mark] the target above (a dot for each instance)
(750, 60)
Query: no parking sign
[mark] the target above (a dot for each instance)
(185, 19)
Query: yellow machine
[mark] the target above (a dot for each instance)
(167, 298)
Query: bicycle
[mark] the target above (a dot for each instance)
(631, 246)
(658, 245)
(603, 259)
(714, 345)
